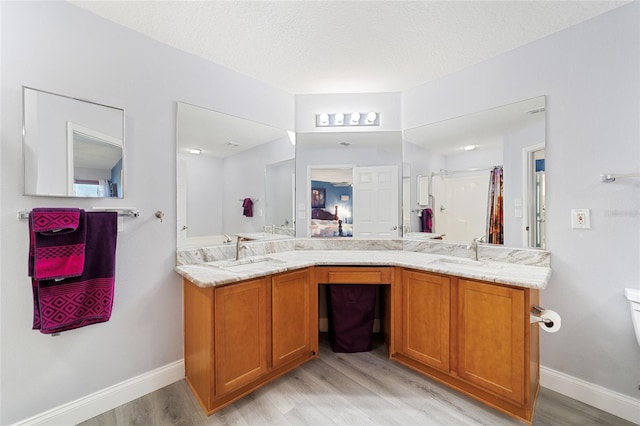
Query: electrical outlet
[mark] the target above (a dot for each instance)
(580, 219)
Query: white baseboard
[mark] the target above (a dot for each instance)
(597, 396)
(109, 398)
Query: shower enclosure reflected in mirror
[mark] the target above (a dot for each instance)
(223, 160)
(72, 147)
(451, 162)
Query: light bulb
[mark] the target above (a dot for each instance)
(371, 117)
(355, 118)
(339, 119)
(324, 119)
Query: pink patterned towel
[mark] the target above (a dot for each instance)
(57, 243)
(88, 299)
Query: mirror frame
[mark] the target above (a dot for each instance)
(218, 148)
(486, 120)
(68, 145)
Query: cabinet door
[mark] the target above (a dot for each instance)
(291, 316)
(425, 318)
(491, 338)
(241, 339)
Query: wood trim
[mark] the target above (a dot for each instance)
(353, 275)
(198, 340)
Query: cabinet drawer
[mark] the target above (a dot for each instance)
(353, 275)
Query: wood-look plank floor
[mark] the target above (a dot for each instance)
(347, 389)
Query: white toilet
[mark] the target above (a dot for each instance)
(633, 294)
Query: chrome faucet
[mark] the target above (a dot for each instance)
(239, 246)
(474, 246)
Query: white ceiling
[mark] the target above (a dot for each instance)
(347, 46)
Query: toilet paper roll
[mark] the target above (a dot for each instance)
(553, 326)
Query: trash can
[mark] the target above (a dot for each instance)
(351, 309)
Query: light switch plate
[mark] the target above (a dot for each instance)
(580, 219)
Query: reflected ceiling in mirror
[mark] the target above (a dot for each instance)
(230, 165)
(457, 179)
(220, 135)
(72, 147)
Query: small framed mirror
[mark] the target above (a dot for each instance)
(71, 147)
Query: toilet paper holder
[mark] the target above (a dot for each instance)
(535, 316)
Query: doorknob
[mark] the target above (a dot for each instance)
(395, 227)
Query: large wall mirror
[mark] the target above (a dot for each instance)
(233, 176)
(347, 184)
(71, 147)
(459, 171)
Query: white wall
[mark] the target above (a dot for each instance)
(590, 74)
(204, 182)
(244, 176)
(58, 47)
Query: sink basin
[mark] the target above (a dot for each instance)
(251, 264)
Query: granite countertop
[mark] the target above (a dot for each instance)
(223, 272)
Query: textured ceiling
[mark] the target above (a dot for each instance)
(347, 46)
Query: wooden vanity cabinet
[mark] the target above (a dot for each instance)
(426, 318)
(491, 338)
(471, 335)
(291, 317)
(241, 336)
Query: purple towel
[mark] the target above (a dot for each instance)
(427, 220)
(56, 243)
(88, 299)
(247, 206)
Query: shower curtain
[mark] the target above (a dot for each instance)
(495, 211)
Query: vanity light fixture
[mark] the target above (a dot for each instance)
(340, 119)
(470, 147)
(195, 151)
